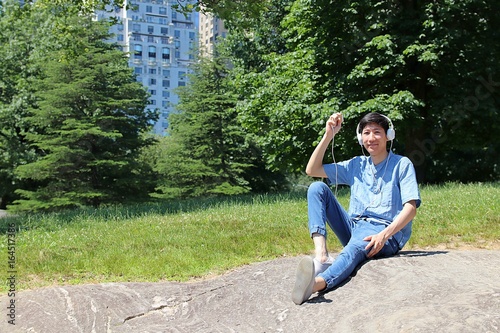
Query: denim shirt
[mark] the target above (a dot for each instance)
(378, 192)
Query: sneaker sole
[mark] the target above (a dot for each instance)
(304, 281)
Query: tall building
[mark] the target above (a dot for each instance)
(210, 28)
(161, 43)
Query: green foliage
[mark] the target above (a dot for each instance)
(86, 126)
(281, 98)
(79, 6)
(228, 10)
(25, 36)
(207, 153)
(413, 61)
(286, 111)
(71, 126)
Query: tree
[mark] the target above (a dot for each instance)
(87, 125)
(207, 153)
(228, 10)
(85, 7)
(204, 156)
(25, 35)
(413, 61)
(282, 101)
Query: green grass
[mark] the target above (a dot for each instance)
(184, 240)
(457, 215)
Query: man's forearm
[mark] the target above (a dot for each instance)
(404, 217)
(315, 165)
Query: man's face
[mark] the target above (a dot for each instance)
(374, 139)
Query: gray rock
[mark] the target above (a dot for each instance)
(416, 291)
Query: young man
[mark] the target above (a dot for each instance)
(383, 203)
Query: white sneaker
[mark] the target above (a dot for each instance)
(304, 281)
(320, 267)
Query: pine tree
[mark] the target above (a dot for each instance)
(87, 126)
(207, 152)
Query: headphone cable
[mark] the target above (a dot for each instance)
(334, 162)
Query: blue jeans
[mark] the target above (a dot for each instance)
(324, 208)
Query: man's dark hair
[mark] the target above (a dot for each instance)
(374, 117)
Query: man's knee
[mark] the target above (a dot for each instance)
(317, 188)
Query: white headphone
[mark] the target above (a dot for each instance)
(391, 133)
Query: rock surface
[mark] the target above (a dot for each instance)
(416, 291)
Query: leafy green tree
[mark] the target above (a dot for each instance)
(87, 126)
(25, 35)
(84, 7)
(282, 100)
(228, 10)
(413, 61)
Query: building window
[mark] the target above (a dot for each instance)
(166, 84)
(191, 35)
(162, 11)
(119, 37)
(149, 9)
(164, 40)
(136, 27)
(152, 92)
(166, 73)
(152, 52)
(166, 94)
(152, 82)
(138, 70)
(151, 29)
(164, 30)
(138, 51)
(177, 44)
(181, 84)
(182, 75)
(151, 39)
(165, 53)
(177, 33)
(152, 71)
